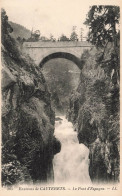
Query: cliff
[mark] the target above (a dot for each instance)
(94, 112)
(28, 142)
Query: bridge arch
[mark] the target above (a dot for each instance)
(65, 55)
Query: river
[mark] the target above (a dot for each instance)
(71, 164)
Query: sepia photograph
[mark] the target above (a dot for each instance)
(60, 97)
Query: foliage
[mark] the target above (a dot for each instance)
(21, 40)
(8, 42)
(12, 173)
(43, 38)
(52, 39)
(96, 118)
(81, 34)
(19, 31)
(63, 38)
(5, 26)
(13, 47)
(74, 36)
(102, 22)
(35, 36)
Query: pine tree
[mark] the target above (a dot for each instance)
(74, 36)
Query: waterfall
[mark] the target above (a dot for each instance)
(71, 164)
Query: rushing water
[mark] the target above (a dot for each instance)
(71, 164)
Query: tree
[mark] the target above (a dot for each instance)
(5, 26)
(52, 38)
(81, 34)
(63, 38)
(35, 35)
(74, 36)
(102, 22)
(8, 42)
(43, 38)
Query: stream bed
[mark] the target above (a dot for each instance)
(72, 163)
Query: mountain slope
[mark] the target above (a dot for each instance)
(19, 31)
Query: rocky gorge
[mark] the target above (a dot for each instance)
(29, 140)
(94, 112)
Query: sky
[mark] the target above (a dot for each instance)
(54, 17)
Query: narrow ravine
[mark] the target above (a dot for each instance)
(71, 164)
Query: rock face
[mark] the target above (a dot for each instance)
(94, 111)
(28, 142)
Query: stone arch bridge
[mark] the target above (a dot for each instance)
(41, 52)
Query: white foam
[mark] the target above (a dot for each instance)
(71, 164)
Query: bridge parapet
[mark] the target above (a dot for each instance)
(62, 44)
